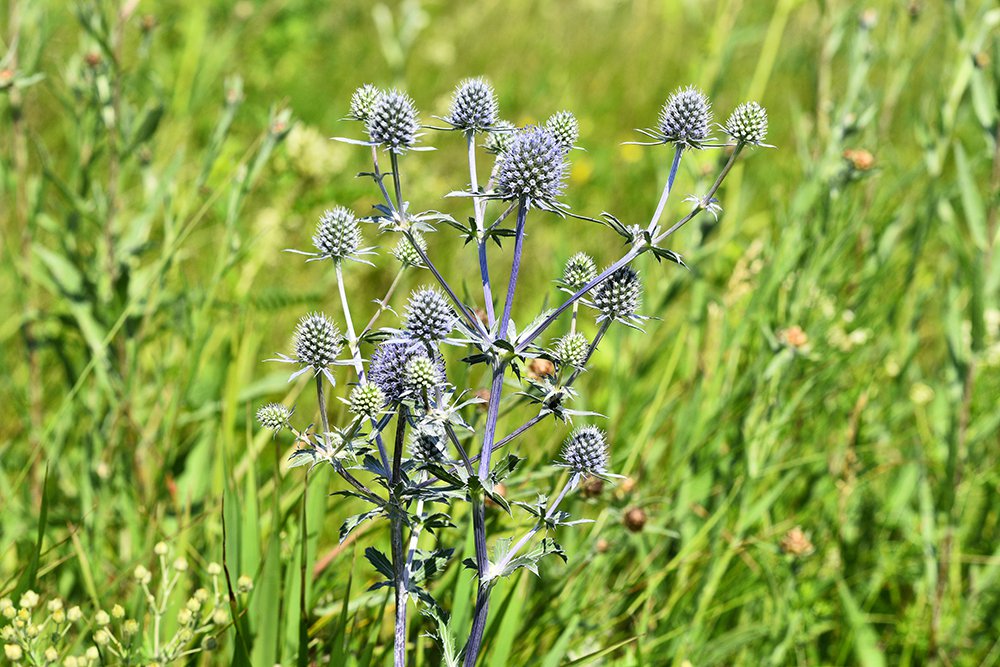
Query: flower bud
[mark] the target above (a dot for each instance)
(533, 167)
(407, 254)
(564, 128)
(635, 519)
(317, 341)
(273, 417)
(363, 101)
(102, 618)
(618, 296)
(586, 450)
(338, 234)
(498, 141)
(388, 366)
(580, 270)
(429, 316)
(685, 117)
(421, 375)
(748, 124)
(474, 106)
(244, 584)
(393, 121)
(428, 447)
(367, 400)
(573, 350)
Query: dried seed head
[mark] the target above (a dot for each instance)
(580, 270)
(421, 375)
(532, 167)
(571, 350)
(586, 450)
(564, 128)
(474, 106)
(499, 140)
(363, 101)
(338, 234)
(393, 121)
(539, 368)
(366, 400)
(317, 341)
(428, 447)
(602, 546)
(748, 124)
(796, 543)
(635, 519)
(618, 297)
(388, 366)
(592, 487)
(685, 117)
(273, 416)
(429, 316)
(407, 254)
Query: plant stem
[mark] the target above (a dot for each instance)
(522, 214)
(478, 211)
(343, 472)
(549, 512)
(590, 351)
(384, 302)
(667, 188)
(399, 564)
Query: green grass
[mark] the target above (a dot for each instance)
(127, 402)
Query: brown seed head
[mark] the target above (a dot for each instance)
(634, 519)
(794, 336)
(627, 485)
(796, 543)
(539, 368)
(93, 59)
(592, 487)
(602, 546)
(859, 158)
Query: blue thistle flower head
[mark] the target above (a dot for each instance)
(388, 366)
(618, 296)
(498, 140)
(393, 121)
(363, 101)
(317, 341)
(338, 234)
(748, 124)
(565, 128)
(685, 117)
(428, 446)
(586, 451)
(273, 416)
(532, 168)
(429, 316)
(474, 106)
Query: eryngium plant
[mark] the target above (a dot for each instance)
(414, 444)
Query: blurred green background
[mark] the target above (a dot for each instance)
(810, 431)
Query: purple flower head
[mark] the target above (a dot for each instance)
(474, 106)
(685, 117)
(586, 451)
(533, 167)
(393, 121)
(388, 365)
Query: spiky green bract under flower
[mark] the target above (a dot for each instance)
(428, 447)
(388, 366)
(498, 140)
(572, 350)
(533, 167)
(393, 122)
(338, 234)
(407, 254)
(421, 375)
(366, 400)
(748, 124)
(317, 341)
(564, 128)
(363, 101)
(580, 270)
(474, 106)
(429, 316)
(273, 416)
(618, 296)
(685, 117)
(586, 451)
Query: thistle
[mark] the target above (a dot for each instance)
(338, 235)
(572, 350)
(580, 270)
(474, 107)
(618, 296)
(684, 120)
(367, 400)
(363, 102)
(499, 138)
(748, 124)
(393, 122)
(388, 366)
(532, 168)
(273, 416)
(428, 446)
(564, 128)
(407, 252)
(316, 344)
(429, 316)
(421, 375)
(586, 451)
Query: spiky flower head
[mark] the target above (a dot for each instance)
(474, 106)
(498, 140)
(748, 124)
(532, 167)
(338, 234)
(407, 253)
(393, 121)
(618, 296)
(363, 101)
(421, 375)
(388, 366)
(572, 350)
(685, 117)
(580, 270)
(273, 416)
(427, 446)
(366, 400)
(564, 128)
(317, 341)
(586, 451)
(429, 316)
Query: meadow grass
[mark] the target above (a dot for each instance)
(830, 361)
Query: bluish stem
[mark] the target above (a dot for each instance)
(522, 214)
(667, 188)
(570, 483)
(479, 210)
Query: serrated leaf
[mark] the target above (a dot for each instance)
(380, 562)
(353, 522)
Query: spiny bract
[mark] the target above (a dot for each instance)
(429, 316)
(685, 117)
(619, 295)
(474, 106)
(533, 167)
(748, 123)
(564, 128)
(393, 121)
(317, 341)
(338, 234)
(586, 450)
